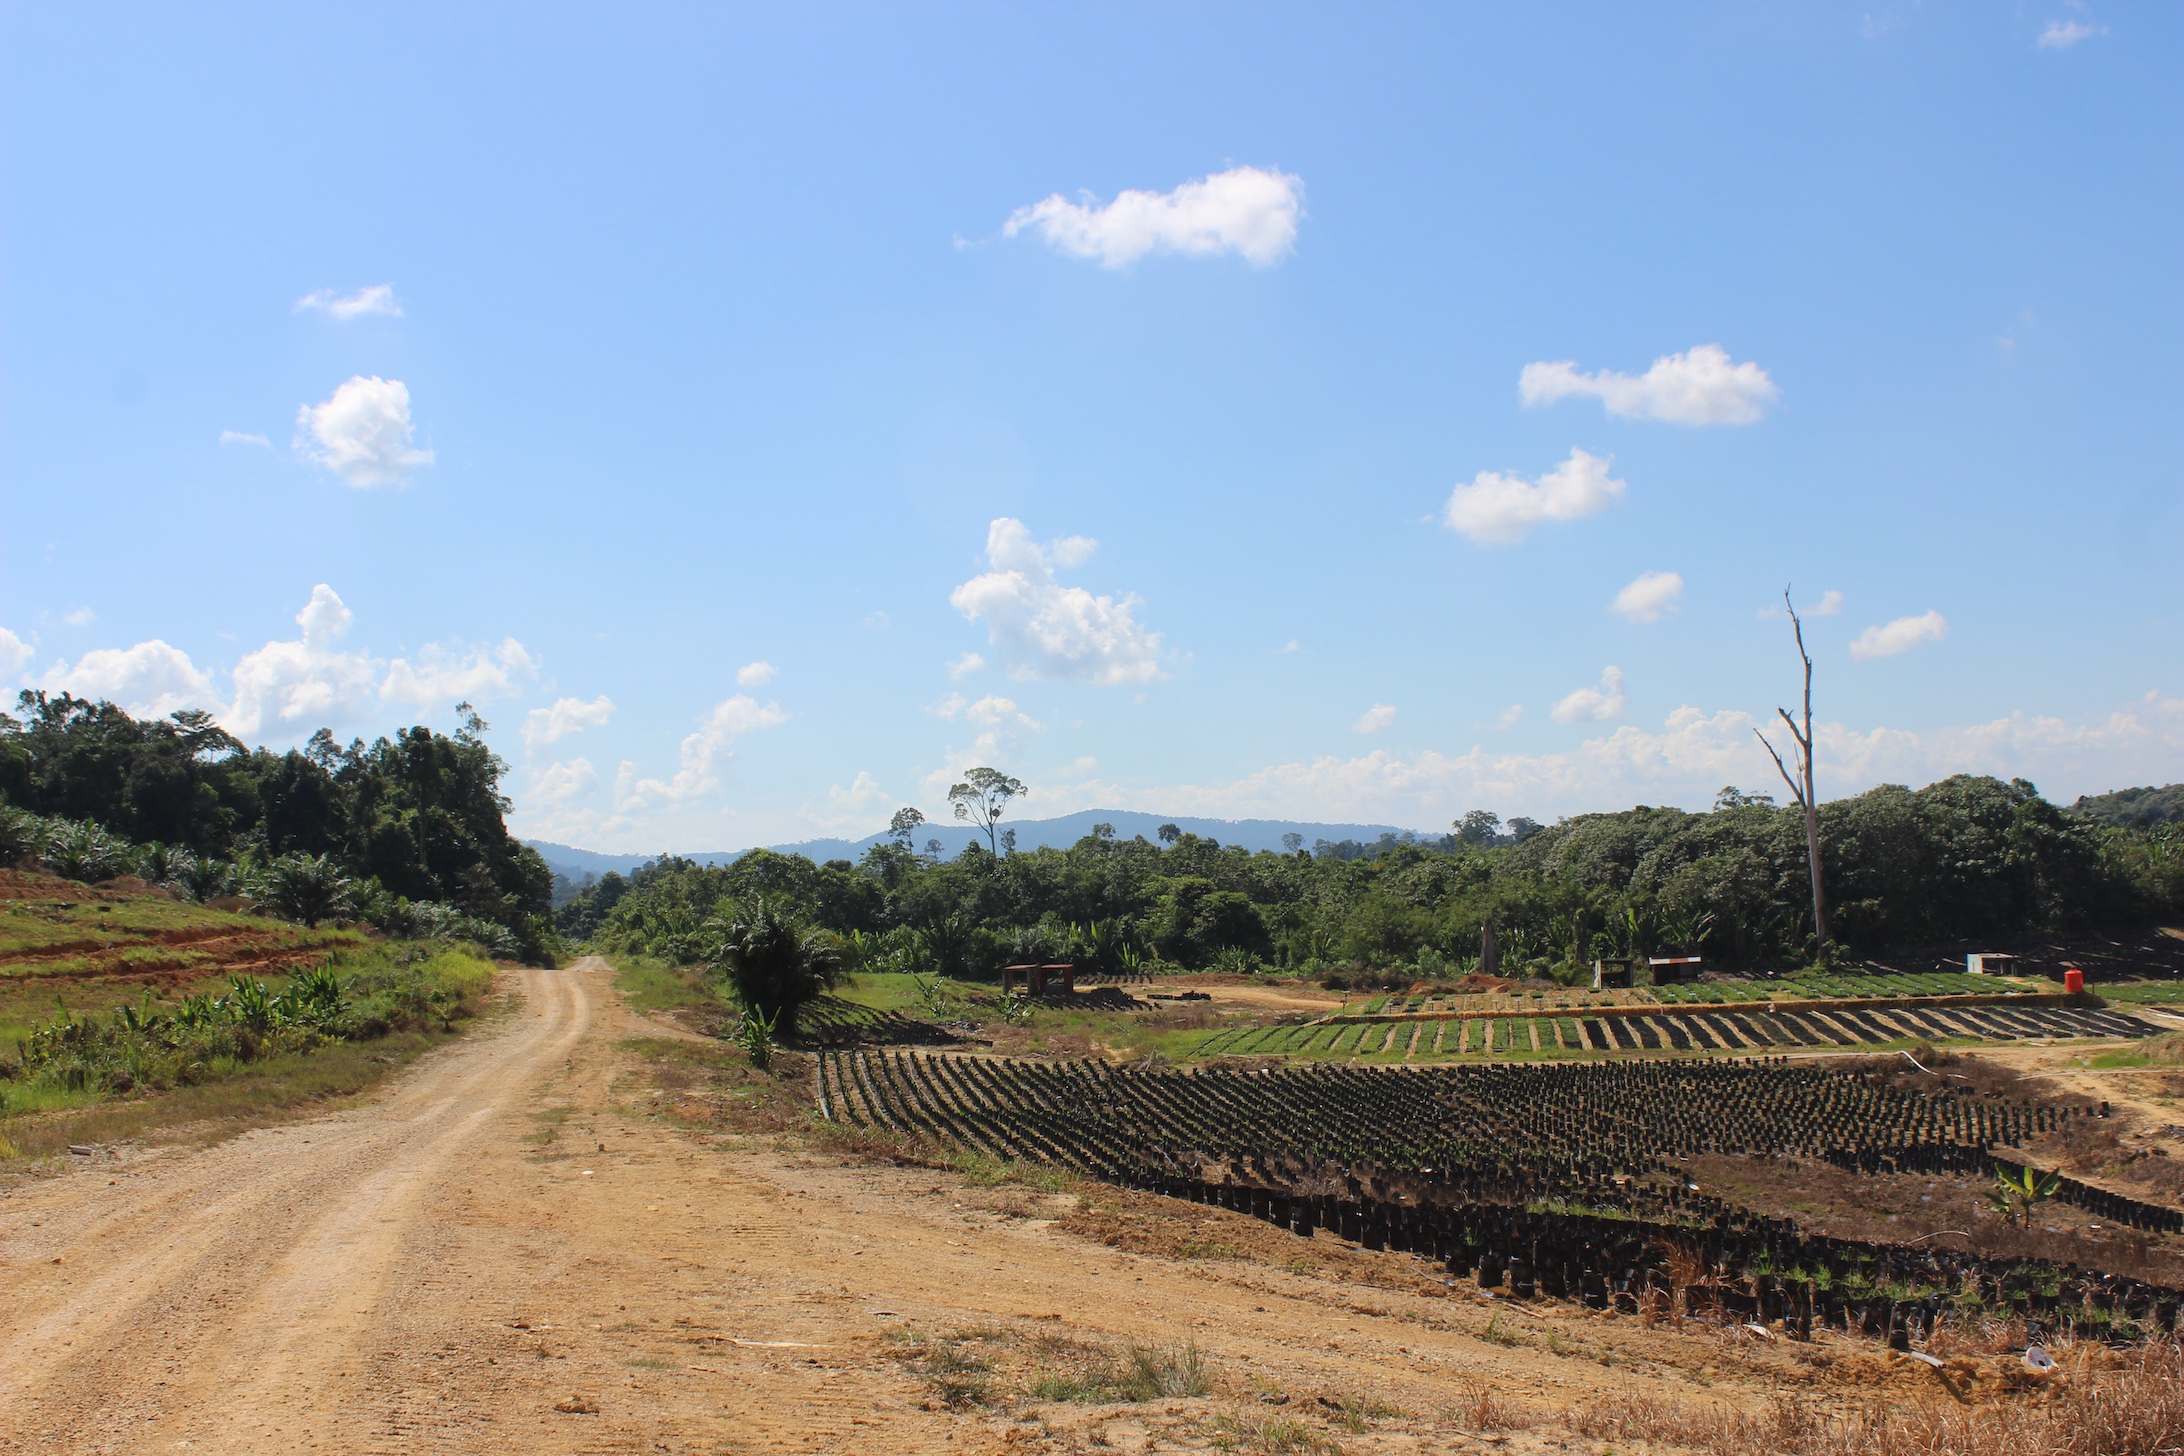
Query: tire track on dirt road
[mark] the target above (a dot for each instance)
(250, 1272)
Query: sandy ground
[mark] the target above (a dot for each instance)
(508, 1229)
(1272, 997)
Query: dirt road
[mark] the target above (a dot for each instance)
(506, 1251)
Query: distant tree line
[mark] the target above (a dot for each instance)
(414, 818)
(2134, 808)
(1967, 858)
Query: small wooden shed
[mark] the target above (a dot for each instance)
(1614, 973)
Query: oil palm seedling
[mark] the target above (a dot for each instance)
(206, 879)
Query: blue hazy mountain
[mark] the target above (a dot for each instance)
(1252, 834)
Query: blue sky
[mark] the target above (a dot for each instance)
(763, 413)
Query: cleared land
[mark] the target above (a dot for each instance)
(581, 1230)
(112, 998)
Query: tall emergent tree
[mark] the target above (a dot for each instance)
(1801, 783)
(982, 798)
(904, 826)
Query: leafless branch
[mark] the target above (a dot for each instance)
(1780, 767)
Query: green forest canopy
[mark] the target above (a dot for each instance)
(1968, 858)
(419, 815)
(2133, 807)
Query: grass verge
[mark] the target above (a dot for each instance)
(654, 986)
(165, 1083)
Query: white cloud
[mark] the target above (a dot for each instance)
(1042, 629)
(964, 666)
(1246, 211)
(1652, 596)
(698, 772)
(1510, 716)
(1376, 719)
(1686, 761)
(754, 674)
(14, 651)
(379, 298)
(992, 711)
(998, 719)
(239, 437)
(81, 617)
(294, 685)
(1829, 605)
(1698, 388)
(309, 680)
(445, 675)
(362, 433)
(149, 680)
(561, 784)
(567, 717)
(2061, 35)
(851, 811)
(1901, 635)
(1502, 509)
(1595, 705)
(1293, 645)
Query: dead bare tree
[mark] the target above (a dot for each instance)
(1803, 791)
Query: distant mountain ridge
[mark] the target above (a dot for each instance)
(1252, 834)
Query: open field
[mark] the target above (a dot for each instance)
(581, 1230)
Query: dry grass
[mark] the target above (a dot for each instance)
(2132, 1407)
(1483, 1410)
(1166, 1228)
(713, 1084)
(2163, 1051)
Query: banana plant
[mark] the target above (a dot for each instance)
(2016, 1194)
(756, 1036)
(313, 997)
(248, 1003)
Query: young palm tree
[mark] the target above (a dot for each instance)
(774, 966)
(306, 887)
(80, 850)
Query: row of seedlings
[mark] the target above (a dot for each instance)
(1747, 1268)
(1631, 1116)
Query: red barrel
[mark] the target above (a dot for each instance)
(2073, 980)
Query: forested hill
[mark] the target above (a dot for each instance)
(415, 820)
(2140, 807)
(1057, 833)
(1969, 858)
